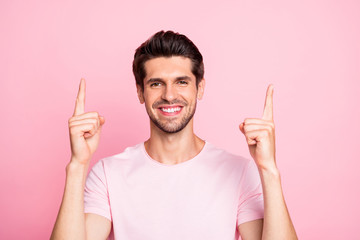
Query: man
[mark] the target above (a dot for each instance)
(174, 185)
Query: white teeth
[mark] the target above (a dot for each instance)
(171, 110)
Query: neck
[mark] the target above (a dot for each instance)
(173, 148)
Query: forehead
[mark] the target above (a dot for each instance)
(168, 67)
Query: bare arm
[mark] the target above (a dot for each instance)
(251, 230)
(277, 221)
(260, 136)
(71, 222)
(97, 227)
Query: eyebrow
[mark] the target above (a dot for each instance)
(151, 80)
(183, 78)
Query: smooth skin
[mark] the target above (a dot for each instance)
(166, 148)
(173, 82)
(260, 137)
(72, 222)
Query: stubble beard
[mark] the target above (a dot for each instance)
(171, 125)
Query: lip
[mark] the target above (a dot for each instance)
(169, 113)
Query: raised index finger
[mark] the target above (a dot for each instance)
(268, 108)
(80, 100)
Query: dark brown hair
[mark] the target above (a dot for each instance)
(167, 44)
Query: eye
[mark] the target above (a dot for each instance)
(183, 82)
(155, 84)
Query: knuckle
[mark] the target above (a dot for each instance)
(71, 124)
(96, 122)
(269, 129)
(95, 127)
(250, 141)
(272, 128)
(267, 132)
(71, 119)
(72, 130)
(247, 128)
(94, 130)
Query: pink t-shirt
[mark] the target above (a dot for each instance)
(206, 197)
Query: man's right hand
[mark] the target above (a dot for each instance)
(71, 222)
(84, 129)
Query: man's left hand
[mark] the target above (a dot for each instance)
(260, 134)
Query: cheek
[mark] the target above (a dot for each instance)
(188, 93)
(193, 97)
(152, 95)
(149, 101)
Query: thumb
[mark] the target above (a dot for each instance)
(102, 120)
(241, 127)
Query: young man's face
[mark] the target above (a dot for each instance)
(170, 92)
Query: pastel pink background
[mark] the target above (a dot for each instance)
(308, 49)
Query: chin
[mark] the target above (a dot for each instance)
(170, 129)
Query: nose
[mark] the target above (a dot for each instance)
(169, 93)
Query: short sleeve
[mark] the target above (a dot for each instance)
(96, 196)
(251, 201)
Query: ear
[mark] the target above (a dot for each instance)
(201, 88)
(140, 93)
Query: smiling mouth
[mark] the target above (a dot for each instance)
(170, 110)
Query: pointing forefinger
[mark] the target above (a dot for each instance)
(268, 108)
(80, 100)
